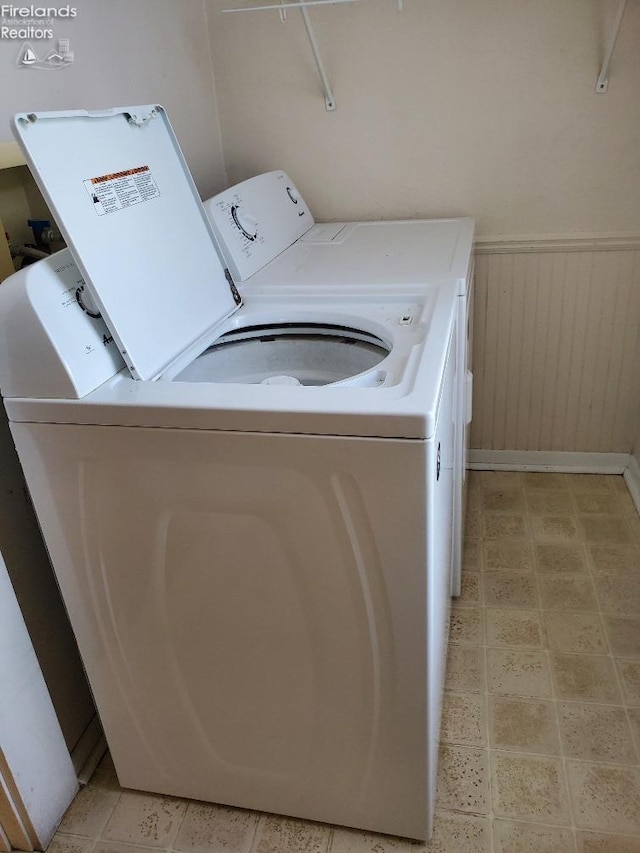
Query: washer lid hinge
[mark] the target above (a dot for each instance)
(232, 287)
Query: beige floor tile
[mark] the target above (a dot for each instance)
(510, 589)
(353, 841)
(511, 556)
(105, 775)
(523, 725)
(117, 847)
(503, 500)
(633, 524)
(584, 677)
(550, 502)
(618, 483)
(518, 673)
(559, 558)
(466, 625)
(634, 721)
(529, 787)
(277, 834)
(575, 632)
(463, 779)
(89, 812)
(61, 843)
(498, 526)
(627, 505)
(473, 525)
(497, 479)
(554, 528)
(590, 482)
(605, 797)
(471, 588)
(466, 669)
(629, 673)
(145, 819)
(510, 837)
(624, 635)
(474, 499)
(464, 719)
(472, 555)
(539, 480)
(610, 559)
(513, 628)
(209, 828)
(596, 733)
(604, 503)
(618, 594)
(604, 528)
(567, 592)
(457, 833)
(596, 842)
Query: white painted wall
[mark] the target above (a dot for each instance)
(30, 737)
(485, 108)
(125, 53)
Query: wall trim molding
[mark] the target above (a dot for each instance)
(86, 754)
(522, 243)
(550, 460)
(632, 479)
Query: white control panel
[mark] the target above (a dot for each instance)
(54, 340)
(257, 220)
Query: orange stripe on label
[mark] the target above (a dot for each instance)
(117, 175)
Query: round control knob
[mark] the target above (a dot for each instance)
(293, 195)
(85, 301)
(247, 224)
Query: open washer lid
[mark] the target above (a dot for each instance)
(121, 192)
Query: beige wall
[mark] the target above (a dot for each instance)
(127, 52)
(485, 108)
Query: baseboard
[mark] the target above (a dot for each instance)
(87, 753)
(543, 460)
(632, 479)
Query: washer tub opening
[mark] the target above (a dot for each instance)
(311, 353)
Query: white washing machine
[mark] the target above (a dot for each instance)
(248, 221)
(248, 507)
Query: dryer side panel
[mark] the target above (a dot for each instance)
(250, 610)
(442, 485)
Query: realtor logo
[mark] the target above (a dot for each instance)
(52, 60)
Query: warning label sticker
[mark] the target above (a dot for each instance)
(121, 189)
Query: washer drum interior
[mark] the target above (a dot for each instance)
(288, 354)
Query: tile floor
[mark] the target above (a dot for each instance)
(541, 723)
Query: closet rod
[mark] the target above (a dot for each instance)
(283, 7)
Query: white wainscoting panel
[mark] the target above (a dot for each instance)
(557, 346)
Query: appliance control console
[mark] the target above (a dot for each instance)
(257, 220)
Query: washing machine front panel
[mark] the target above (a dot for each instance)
(267, 592)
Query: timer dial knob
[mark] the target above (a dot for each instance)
(246, 224)
(293, 195)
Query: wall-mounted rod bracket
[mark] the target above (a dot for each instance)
(602, 84)
(283, 7)
(329, 98)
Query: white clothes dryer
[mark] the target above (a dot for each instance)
(267, 248)
(247, 497)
